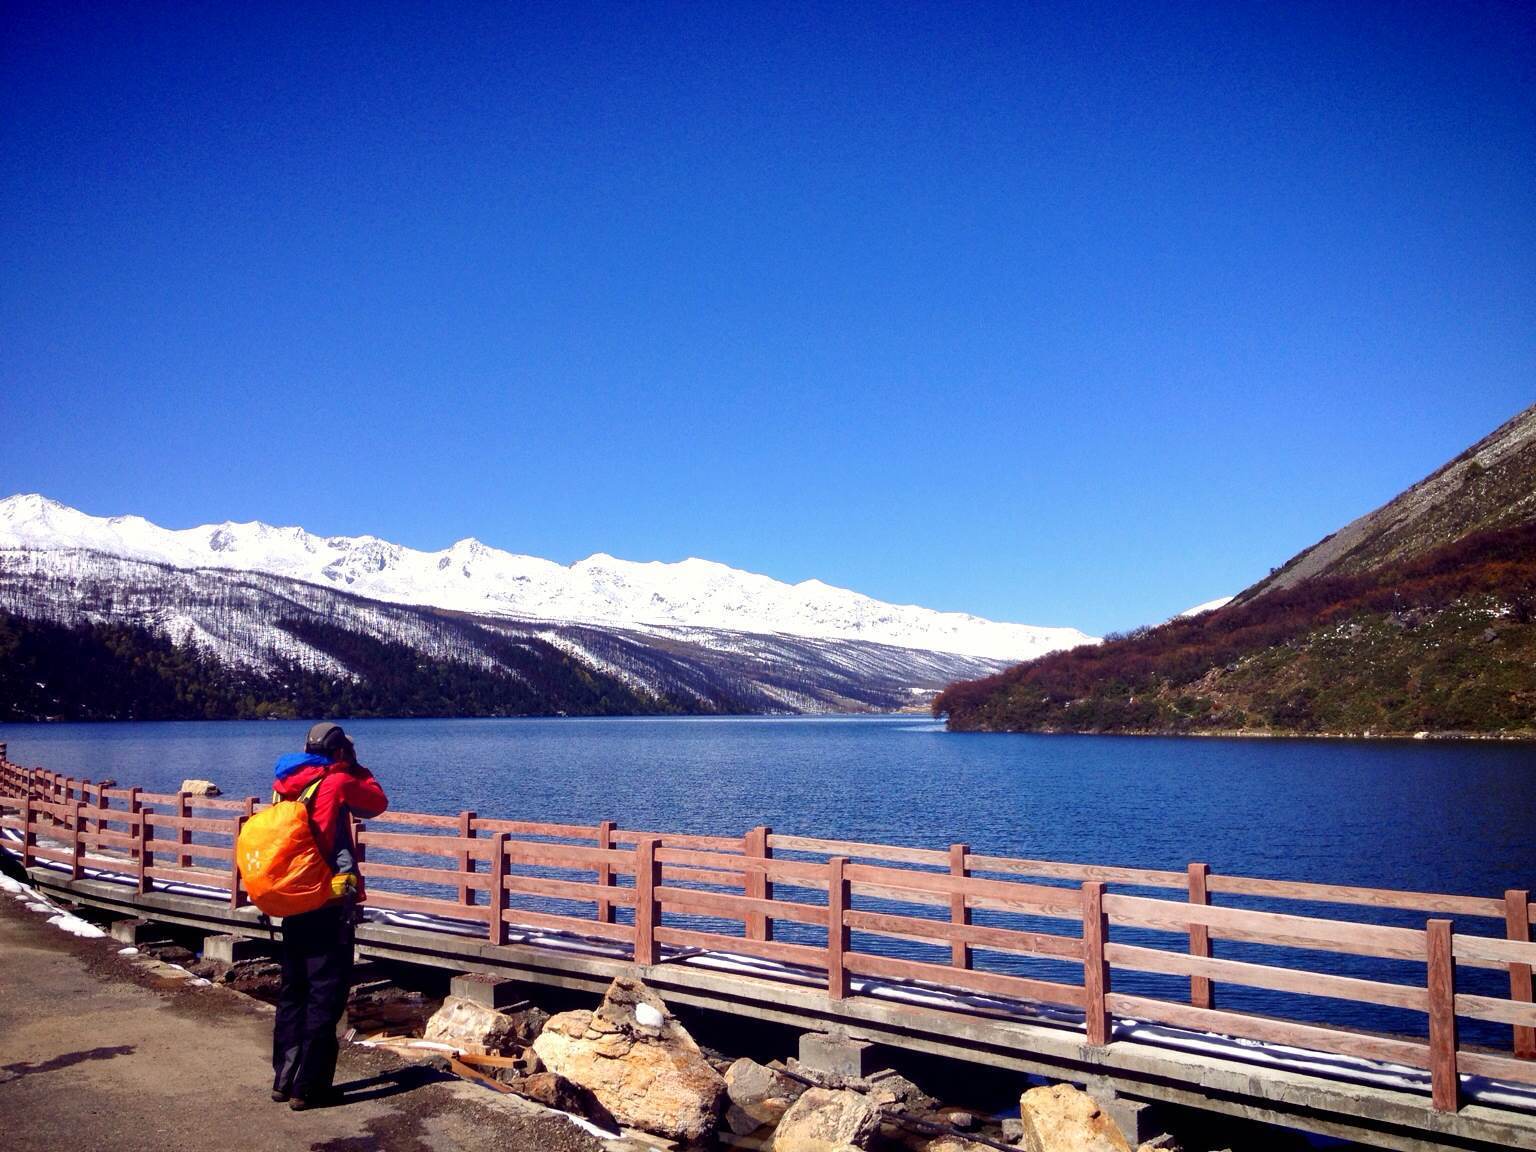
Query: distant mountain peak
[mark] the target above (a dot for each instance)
(471, 576)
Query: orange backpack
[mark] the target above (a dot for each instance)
(280, 862)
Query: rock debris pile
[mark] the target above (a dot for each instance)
(631, 1068)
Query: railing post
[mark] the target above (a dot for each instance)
(101, 806)
(754, 845)
(183, 834)
(135, 806)
(1517, 924)
(236, 897)
(66, 797)
(75, 870)
(26, 830)
(647, 879)
(497, 896)
(1095, 967)
(1441, 983)
(838, 894)
(466, 861)
(604, 871)
(146, 854)
(1200, 993)
(959, 907)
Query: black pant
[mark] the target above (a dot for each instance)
(317, 975)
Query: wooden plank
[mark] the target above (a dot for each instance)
(672, 873)
(1058, 870)
(1361, 897)
(804, 873)
(839, 896)
(373, 870)
(516, 829)
(466, 862)
(1496, 1067)
(988, 983)
(1303, 983)
(800, 954)
(755, 884)
(424, 819)
(425, 845)
(575, 925)
(733, 907)
(200, 851)
(1413, 1054)
(1497, 1010)
(854, 849)
(959, 911)
(1012, 940)
(56, 855)
(1517, 927)
(647, 914)
(605, 875)
(566, 889)
(1491, 951)
(679, 840)
(1040, 900)
(497, 899)
(105, 839)
(1096, 972)
(569, 856)
(1446, 1085)
(187, 825)
(383, 898)
(178, 875)
(1200, 935)
(1281, 929)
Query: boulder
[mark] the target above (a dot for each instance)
(638, 1061)
(955, 1144)
(554, 1091)
(472, 1027)
(757, 1095)
(1061, 1118)
(895, 1093)
(827, 1120)
(200, 788)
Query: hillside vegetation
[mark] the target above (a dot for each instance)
(1444, 643)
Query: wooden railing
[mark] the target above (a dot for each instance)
(643, 891)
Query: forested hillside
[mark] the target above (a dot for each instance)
(1419, 617)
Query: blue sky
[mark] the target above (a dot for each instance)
(1072, 314)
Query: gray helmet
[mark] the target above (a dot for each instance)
(325, 739)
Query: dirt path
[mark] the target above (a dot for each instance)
(97, 1053)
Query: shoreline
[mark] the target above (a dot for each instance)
(1524, 736)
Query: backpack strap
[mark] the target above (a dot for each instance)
(309, 793)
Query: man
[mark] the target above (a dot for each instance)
(317, 946)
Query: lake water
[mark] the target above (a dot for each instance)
(1440, 817)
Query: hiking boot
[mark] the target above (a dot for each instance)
(279, 1095)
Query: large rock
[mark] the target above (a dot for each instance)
(472, 1027)
(638, 1061)
(200, 788)
(554, 1091)
(1061, 1118)
(893, 1092)
(827, 1120)
(758, 1095)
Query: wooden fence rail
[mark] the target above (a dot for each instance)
(647, 891)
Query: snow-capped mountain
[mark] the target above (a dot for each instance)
(472, 577)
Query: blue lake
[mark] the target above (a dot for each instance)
(1439, 817)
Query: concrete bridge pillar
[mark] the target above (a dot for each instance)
(487, 991)
(1132, 1117)
(232, 949)
(836, 1054)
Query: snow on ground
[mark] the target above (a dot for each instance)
(1208, 606)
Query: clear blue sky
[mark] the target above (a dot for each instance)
(1068, 314)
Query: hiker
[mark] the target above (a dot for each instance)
(317, 945)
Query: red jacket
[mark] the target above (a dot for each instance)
(343, 787)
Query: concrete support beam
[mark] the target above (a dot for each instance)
(136, 931)
(232, 949)
(487, 991)
(836, 1054)
(1132, 1117)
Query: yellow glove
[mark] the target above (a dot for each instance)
(344, 886)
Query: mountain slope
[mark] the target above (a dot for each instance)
(471, 577)
(1420, 617)
(224, 642)
(1492, 485)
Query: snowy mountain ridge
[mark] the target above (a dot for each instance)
(472, 577)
